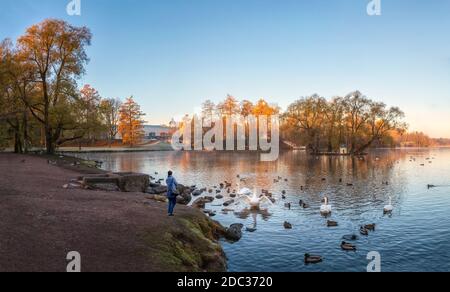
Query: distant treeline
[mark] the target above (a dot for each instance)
(354, 121)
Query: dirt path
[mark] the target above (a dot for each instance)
(40, 222)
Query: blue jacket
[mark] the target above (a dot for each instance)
(171, 186)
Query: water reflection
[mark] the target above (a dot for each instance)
(413, 238)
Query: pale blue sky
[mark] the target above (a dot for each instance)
(173, 54)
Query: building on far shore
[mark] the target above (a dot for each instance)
(343, 150)
(158, 132)
(154, 132)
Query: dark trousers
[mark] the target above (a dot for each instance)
(172, 203)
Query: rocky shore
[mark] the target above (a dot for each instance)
(116, 221)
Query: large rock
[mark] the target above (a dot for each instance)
(234, 232)
(133, 182)
(93, 180)
(125, 181)
(158, 190)
(185, 194)
(201, 202)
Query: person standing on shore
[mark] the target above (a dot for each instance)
(171, 192)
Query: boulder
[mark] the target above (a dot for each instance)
(228, 203)
(234, 232)
(109, 187)
(201, 202)
(158, 198)
(160, 190)
(93, 180)
(133, 182)
(185, 194)
(197, 193)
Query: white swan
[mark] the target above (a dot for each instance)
(325, 209)
(389, 208)
(252, 199)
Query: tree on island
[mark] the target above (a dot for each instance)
(131, 125)
(354, 121)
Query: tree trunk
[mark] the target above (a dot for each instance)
(17, 142)
(50, 145)
(25, 132)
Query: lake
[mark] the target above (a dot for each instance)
(416, 237)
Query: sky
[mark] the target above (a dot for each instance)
(172, 55)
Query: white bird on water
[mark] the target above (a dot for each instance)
(325, 209)
(389, 208)
(252, 199)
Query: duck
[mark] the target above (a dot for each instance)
(347, 246)
(287, 225)
(350, 237)
(303, 204)
(331, 223)
(325, 209)
(312, 259)
(388, 208)
(363, 231)
(370, 227)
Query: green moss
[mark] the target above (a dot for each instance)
(189, 246)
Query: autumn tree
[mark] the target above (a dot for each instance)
(15, 83)
(228, 107)
(91, 113)
(306, 117)
(208, 111)
(246, 108)
(110, 110)
(131, 125)
(56, 53)
(355, 121)
(263, 108)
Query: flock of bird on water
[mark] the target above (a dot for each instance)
(254, 201)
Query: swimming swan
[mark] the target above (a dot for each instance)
(388, 208)
(325, 209)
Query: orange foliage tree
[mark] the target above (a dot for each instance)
(131, 125)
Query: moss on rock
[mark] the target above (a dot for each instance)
(190, 245)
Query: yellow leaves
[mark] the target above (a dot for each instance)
(130, 122)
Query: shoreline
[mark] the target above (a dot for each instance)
(113, 231)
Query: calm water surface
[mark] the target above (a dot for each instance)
(415, 238)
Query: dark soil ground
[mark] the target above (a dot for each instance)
(40, 222)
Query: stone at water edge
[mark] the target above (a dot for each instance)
(228, 203)
(234, 232)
